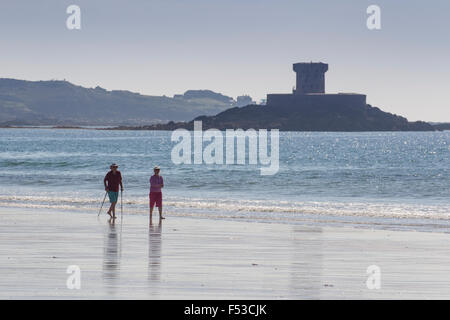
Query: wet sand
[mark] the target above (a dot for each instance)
(187, 258)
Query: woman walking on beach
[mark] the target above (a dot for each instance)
(112, 181)
(156, 183)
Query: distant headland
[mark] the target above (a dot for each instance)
(61, 103)
(308, 108)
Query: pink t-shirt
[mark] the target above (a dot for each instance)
(156, 180)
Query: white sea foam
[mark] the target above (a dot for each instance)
(251, 209)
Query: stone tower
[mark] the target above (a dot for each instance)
(310, 77)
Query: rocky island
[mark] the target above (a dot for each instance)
(308, 108)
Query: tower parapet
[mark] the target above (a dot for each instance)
(310, 77)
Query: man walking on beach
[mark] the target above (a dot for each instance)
(156, 183)
(112, 181)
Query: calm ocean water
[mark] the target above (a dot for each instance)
(394, 180)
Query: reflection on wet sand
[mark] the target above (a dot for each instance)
(111, 257)
(306, 264)
(154, 252)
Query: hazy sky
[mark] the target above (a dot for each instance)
(237, 47)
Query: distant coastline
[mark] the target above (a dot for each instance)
(63, 105)
(173, 126)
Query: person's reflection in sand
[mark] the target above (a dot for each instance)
(306, 264)
(111, 257)
(154, 252)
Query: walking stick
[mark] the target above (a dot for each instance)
(102, 204)
(121, 205)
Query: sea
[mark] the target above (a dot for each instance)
(381, 180)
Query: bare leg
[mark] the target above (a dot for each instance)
(160, 213)
(110, 209)
(113, 205)
(151, 212)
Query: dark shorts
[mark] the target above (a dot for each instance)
(156, 198)
(113, 196)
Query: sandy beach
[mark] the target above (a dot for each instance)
(191, 258)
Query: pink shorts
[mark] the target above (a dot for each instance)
(155, 197)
